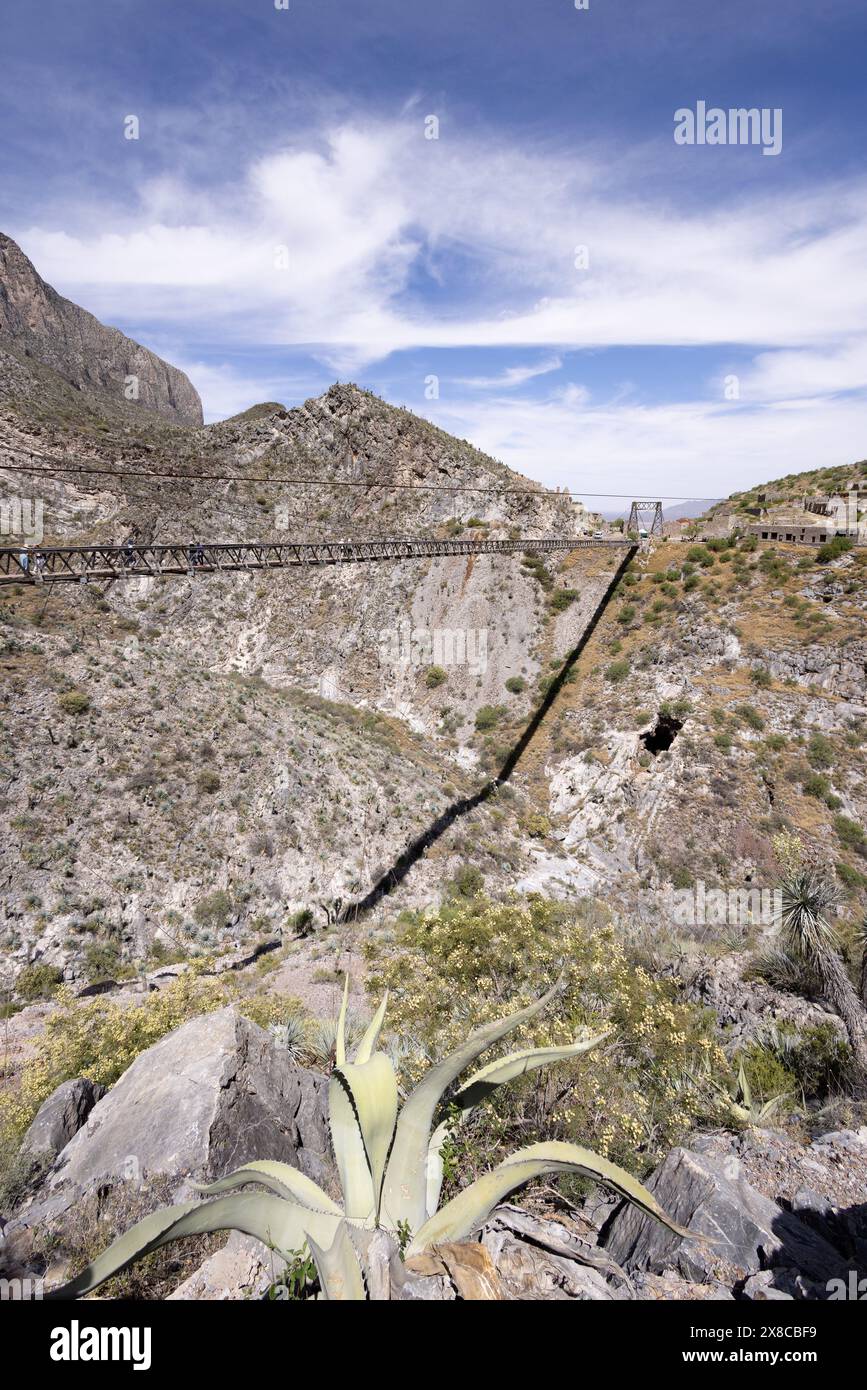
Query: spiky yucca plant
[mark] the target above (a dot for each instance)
(390, 1167)
(808, 897)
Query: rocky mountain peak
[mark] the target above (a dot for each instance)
(37, 321)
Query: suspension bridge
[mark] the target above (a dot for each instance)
(81, 564)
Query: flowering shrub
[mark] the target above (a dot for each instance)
(630, 1099)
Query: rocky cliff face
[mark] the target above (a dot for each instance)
(39, 322)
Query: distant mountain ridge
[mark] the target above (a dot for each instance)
(37, 320)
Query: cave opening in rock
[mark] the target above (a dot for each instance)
(662, 735)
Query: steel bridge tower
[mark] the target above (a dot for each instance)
(637, 514)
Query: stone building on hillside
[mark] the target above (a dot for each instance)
(785, 529)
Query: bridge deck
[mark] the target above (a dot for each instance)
(55, 564)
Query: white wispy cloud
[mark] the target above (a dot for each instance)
(362, 212)
(807, 374)
(695, 449)
(512, 376)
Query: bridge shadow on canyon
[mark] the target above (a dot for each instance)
(417, 847)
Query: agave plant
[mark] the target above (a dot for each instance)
(390, 1168)
(750, 1111)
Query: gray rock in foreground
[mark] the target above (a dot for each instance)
(60, 1117)
(216, 1093)
(746, 1231)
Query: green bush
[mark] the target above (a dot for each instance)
(617, 671)
(833, 549)
(562, 599)
(469, 881)
(821, 1060)
(698, 555)
(102, 961)
(534, 565)
(434, 676)
(214, 909)
(774, 567)
(515, 684)
(767, 1077)
(38, 981)
(821, 751)
(536, 825)
(74, 702)
(816, 785)
(851, 834)
(750, 716)
(851, 877)
(301, 922)
(488, 717)
(809, 1064)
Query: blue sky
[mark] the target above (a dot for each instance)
(282, 220)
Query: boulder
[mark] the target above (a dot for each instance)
(60, 1117)
(739, 1231)
(216, 1093)
(203, 1100)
